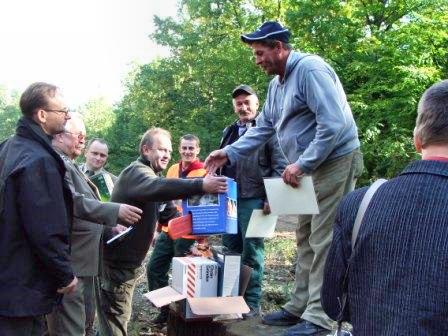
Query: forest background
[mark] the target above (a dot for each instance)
(385, 52)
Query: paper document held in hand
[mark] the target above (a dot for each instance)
(286, 200)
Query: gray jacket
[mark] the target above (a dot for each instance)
(267, 161)
(90, 215)
(308, 111)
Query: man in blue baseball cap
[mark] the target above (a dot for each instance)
(307, 109)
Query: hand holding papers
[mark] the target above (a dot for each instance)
(286, 200)
(260, 225)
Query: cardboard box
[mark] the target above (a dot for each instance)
(207, 308)
(229, 271)
(187, 302)
(198, 308)
(195, 276)
(213, 213)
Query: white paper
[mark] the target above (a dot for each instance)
(121, 234)
(260, 225)
(231, 275)
(286, 200)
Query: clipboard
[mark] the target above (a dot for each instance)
(120, 236)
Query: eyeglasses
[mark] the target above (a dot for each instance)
(64, 111)
(79, 135)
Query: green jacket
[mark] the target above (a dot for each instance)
(140, 186)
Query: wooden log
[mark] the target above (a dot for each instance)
(178, 326)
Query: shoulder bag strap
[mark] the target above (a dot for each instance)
(363, 207)
(356, 226)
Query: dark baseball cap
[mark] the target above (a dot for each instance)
(268, 30)
(243, 88)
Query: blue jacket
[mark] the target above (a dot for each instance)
(267, 161)
(35, 208)
(309, 113)
(398, 278)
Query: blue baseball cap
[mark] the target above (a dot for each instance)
(268, 30)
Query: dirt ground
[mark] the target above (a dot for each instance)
(278, 279)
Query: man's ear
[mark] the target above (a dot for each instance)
(278, 46)
(417, 142)
(145, 149)
(40, 116)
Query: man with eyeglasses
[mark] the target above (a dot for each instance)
(165, 248)
(35, 215)
(69, 318)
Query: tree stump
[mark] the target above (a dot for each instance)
(178, 326)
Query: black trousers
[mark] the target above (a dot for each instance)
(22, 326)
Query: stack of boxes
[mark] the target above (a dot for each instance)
(202, 288)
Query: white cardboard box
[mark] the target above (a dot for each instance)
(195, 276)
(205, 279)
(229, 272)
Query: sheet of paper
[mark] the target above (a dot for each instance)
(163, 296)
(261, 226)
(120, 235)
(286, 200)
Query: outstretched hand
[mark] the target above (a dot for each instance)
(129, 214)
(214, 184)
(215, 160)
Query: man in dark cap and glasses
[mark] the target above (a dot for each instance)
(306, 108)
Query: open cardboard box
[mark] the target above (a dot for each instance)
(206, 307)
(198, 308)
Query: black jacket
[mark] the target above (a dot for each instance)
(267, 161)
(35, 206)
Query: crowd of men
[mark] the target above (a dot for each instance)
(56, 269)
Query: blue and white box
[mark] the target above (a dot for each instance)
(213, 213)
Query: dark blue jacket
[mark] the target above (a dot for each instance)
(398, 278)
(35, 205)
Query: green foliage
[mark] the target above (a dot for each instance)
(9, 113)
(386, 54)
(98, 116)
